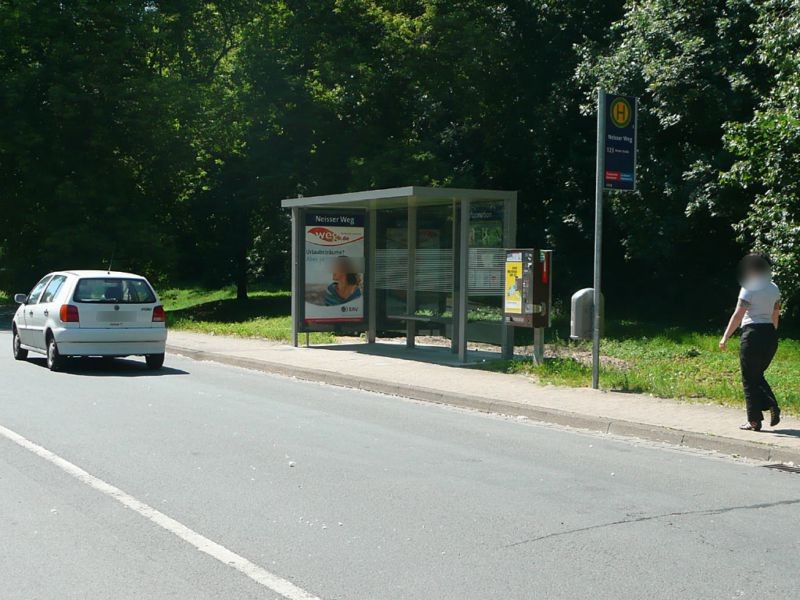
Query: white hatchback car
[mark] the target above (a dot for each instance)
(90, 313)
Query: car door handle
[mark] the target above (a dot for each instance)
(46, 313)
(30, 312)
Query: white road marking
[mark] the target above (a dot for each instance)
(258, 574)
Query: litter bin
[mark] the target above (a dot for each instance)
(582, 314)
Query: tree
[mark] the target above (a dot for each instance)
(167, 133)
(91, 158)
(767, 147)
(686, 61)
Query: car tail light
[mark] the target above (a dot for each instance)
(69, 314)
(159, 314)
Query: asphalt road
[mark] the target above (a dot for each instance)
(350, 495)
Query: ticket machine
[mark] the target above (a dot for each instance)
(528, 294)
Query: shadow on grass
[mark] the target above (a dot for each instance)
(680, 333)
(628, 329)
(235, 311)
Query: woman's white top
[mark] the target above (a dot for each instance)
(761, 302)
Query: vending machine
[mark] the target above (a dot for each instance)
(528, 294)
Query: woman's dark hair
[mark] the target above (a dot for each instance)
(751, 264)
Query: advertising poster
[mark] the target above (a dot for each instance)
(334, 266)
(513, 287)
(486, 225)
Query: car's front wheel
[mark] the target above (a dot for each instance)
(154, 361)
(19, 352)
(55, 362)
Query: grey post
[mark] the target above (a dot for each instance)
(297, 292)
(538, 346)
(509, 241)
(456, 278)
(372, 297)
(598, 233)
(463, 279)
(411, 288)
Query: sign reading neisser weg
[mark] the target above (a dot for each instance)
(620, 143)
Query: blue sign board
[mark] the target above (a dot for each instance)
(619, 172)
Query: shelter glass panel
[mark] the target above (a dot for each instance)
(391, 265)
(433, 268)
(485, 272)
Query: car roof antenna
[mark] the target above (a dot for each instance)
(111, 262)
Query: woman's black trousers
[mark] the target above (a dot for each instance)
(758, 346)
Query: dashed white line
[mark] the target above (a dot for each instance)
(258, 574)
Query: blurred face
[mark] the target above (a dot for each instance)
(339, 277)
(754, 273)
(755, 280)
(339, 271)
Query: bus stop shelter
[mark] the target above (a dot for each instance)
(403, 260)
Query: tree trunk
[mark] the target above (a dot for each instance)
(241, 274)
(241, 289)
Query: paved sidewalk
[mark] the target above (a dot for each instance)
(391, 369)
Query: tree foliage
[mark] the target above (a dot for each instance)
(166, 133)
(767, 147)
(683, 59)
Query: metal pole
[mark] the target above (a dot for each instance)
(298, 293)
(538, 346)
(411, 287)
(372, 291)
(463, 279)
(598, 233)
(509, 241)
(454, 328)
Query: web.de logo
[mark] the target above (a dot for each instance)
(330, 237)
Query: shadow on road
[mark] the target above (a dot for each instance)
(785, 432)
(438, 355)
(101, 367)
(6, 316)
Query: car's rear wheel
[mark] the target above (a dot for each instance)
(154, 361)
(55, 362)
(19, 352)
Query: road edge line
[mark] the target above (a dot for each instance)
(260, 575)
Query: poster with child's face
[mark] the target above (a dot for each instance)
(334, 265)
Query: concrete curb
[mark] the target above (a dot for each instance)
(677, 437)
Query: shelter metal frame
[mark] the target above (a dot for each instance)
(410, 198)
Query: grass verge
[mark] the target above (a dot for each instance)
(264, 315)
(678, 364)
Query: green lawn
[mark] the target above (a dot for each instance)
(677, 363)
(264, 315)
(4, 299)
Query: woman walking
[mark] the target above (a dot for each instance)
(757, 312)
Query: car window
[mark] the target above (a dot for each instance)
(52, 289)
(114, 290)
(33, 297)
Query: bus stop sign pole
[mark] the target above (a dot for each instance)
(598, 233)
(616, 170)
